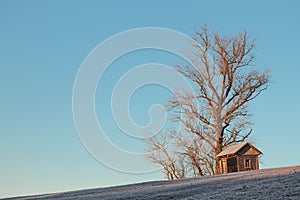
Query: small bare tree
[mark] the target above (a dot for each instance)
(225, 81)
(161, 153)
(179, 155)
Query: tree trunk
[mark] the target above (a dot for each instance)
(219, 148)
(199, 171)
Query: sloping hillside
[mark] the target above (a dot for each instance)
(278, 183)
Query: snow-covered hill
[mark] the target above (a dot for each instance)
(277, 183)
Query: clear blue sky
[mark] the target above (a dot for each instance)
(43, 43)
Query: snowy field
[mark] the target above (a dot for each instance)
(278, 183)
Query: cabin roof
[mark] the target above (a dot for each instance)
(234, 149)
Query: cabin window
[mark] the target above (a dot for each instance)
(247, 163)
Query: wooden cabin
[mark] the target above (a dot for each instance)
(238, 157)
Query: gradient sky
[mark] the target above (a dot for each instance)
(43, 43)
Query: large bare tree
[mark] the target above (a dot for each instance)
(225, 81)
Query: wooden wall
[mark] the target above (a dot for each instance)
(242, 159)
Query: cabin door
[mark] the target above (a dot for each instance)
(232, 165)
